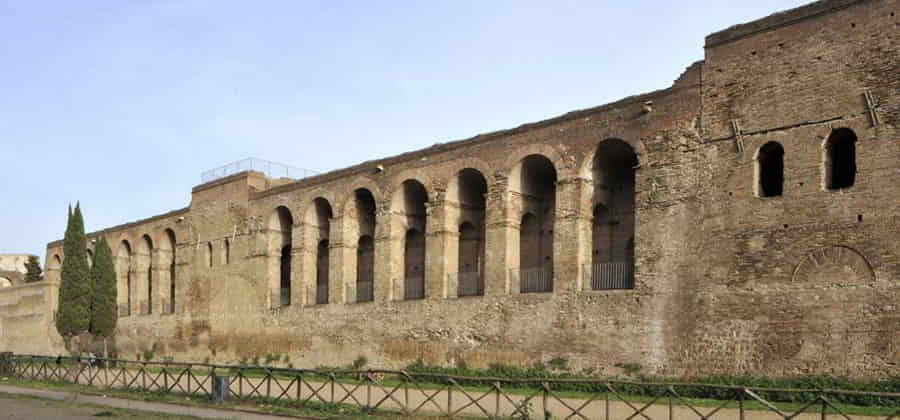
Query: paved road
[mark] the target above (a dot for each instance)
(27, 403)
(14, 407)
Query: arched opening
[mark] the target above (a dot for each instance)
(145, 263)
(840, 159)
(365, 272)
(281, 225)
(55, 263)
(123, 275)
(167, 259)
(414, 217)
(770, 170)
(468, 191)
(209, 254)
(364, 215)
(90, 257)
(613, 221)
(320, 223)
(534, 179)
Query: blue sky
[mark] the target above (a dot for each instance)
(122, 104)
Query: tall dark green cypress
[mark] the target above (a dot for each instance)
(73, 311)
(103, 307)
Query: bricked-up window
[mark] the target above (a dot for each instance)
(840, 159)
(612, 233)
(280, 229)
(770, 170)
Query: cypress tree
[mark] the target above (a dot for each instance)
(33, 270)
(73, 311)
(103, 307)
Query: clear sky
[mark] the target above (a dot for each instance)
(122, 104)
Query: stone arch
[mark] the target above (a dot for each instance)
(54, 263)
(279, 234)
(838, 264)
(637, 147)
(360, 183)
(514, 160)
(360, 220)
(124, 276)
(318, 224)
(769, 170)
(839, 159)
(532, 189)
(145, 266)
(409, 208)
(613, 178)
(169, 280)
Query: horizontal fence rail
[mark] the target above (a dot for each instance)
(533, 280)
(270, 169)
(610, 276)
(454, 396)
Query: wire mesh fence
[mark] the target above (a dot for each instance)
(270, 169)
(412, 393)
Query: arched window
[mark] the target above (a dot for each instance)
(318, 220)
(145, 280)
(167, 257)
(612, 228)
(123, 273)
(409, 205)
(209, 254)
(280, 225)
(535, 181)
(363, 213)
(770, 170)
(226, 252)
(467, 190)
(840, 159)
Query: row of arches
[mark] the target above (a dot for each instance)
(532, 190)
(146, 275)
(838, 164)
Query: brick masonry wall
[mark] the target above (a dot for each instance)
(726, 282)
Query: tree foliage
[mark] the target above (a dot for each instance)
(33, 270)
(103, 276)
(73, 310)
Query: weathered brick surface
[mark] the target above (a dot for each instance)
(726, 282)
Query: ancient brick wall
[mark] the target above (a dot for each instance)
(724, 281)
